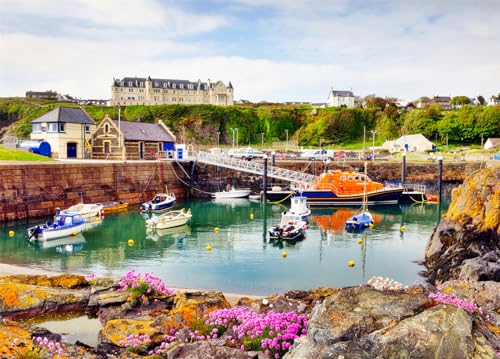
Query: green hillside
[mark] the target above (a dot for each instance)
(203, 124)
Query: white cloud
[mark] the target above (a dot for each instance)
(391, 49)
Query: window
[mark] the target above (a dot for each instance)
(106, 128)
(87, 129)
(130, 83)
(342, 178)
(156, 84)
(141, 84)
(62, 127)
(164, 85)
(122, 83)
(181, 86)
(107, 147)
(173, 86)
(52, 127)
(350, 178)
(130, 90)
(36, 127)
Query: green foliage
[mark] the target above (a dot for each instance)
(204, 124)
(460, 101)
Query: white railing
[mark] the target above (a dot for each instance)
(255, 168)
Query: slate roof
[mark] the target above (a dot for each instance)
(66, 114)
(144, 131)
(342, 93)
(162, 83)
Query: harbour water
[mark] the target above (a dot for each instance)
(242, 259)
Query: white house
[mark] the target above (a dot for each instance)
(410, 143)
(491, 143)
(340, 98)
(68, 130)
(494, 101)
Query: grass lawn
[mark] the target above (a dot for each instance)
(19, 155)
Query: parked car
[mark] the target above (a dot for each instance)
(319, 155)
(246, 153)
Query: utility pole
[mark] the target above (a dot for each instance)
(286, 143)
(373, 145)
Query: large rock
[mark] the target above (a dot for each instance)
(357, 311)
(206, 350)
(363, 323)
(466, 245)
(19, 299)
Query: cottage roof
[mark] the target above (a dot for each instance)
(341, 93)
(494, 142)
(144, 131)
(66, 114)
(413, 139)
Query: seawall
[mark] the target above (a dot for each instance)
(36, 189)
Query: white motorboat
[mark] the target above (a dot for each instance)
(89, 211)
(291, 227)
(233, 193)
(169, 219)
(65, 224)
(299, 208)
(160, 203)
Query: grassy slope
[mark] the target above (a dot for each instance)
(19, 155)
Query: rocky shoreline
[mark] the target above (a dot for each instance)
(456, 315)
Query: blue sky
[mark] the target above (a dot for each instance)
(280, 50)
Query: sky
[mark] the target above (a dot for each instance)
(270, 50)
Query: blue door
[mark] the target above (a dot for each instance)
(71, 150)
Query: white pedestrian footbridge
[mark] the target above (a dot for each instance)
(255, 166)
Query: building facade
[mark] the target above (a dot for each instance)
(340, 98)
(131, 140)
(42, 95)
(148, 91)
(68, 130)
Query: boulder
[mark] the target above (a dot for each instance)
(465, 245)
(19, 299)
(192, 306)
(207, 349)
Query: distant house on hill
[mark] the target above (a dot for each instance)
(409, 143)
(42, 95)
(127, 140)
(68, 130)
(443, 101)
(492, 143)
(494, 101)
(340, 98)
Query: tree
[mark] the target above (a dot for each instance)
(417, 121)
(375, 102)
(458, 101)
(481, 100)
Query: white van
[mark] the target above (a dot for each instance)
(322, 155)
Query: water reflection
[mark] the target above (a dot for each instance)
(242, 259)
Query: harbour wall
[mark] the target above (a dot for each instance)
(36, 190)
(29, 190)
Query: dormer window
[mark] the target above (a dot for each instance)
(156, 84)
(122, 83)
(173, 86)
(141, 84)
(165, 85)
(130, 83)
(181, 86)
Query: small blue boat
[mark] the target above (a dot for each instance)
(359, 221)
(65, 224)
(160, 203)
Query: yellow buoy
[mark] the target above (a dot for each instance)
(97, 219)
(209, 247)
(216, 229)
(73, 234)
(370, 225)
(360, 241)
(284, 254)
(130, 242)
(351, 264)
(251, 215)
(402, 229)
(11, 233)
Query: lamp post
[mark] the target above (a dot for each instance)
(262, 134)
(218, 137)
(286, 143)
(321, 148)
(236, 137)
(232, 134)
(373, 144)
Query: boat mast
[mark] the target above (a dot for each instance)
(365, 195)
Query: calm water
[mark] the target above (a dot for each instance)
(242, 260)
